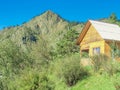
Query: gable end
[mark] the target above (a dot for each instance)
(83, 32)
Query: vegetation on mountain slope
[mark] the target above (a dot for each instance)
(111, 19)
(41, 55)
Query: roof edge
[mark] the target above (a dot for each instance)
(83, 32)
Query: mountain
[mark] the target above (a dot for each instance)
(48, 27)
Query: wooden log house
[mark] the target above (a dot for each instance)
(96, 37)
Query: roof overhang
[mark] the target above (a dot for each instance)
(111, 40)
(83, 32)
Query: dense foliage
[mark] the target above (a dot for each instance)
(12, 59)
(72, 71)
(67, 44)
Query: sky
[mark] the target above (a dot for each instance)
(15, 12)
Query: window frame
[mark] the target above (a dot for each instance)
(96, 50)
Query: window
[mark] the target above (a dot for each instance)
(96, 51)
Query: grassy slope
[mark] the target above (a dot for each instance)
(95, 82)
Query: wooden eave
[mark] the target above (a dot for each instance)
(109, 40)
(83, 33)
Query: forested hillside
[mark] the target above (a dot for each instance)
(33, 45)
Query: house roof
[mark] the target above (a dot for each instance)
(106, 30)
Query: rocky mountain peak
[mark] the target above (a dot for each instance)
(46, 20)
(49, 15)
(49, 12)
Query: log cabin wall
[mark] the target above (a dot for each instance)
(91, 39)
(97, 44)
(96, 36)
(107, 49)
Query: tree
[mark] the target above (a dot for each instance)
(115, 51)
(113, 17)
(67, 45)
(12, 58)
(41, 52)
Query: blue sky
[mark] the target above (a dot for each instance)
(15, 12)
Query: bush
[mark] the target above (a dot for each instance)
(112, 68)
(116, 81)
(3, 85)
(12, 58)
(72, 71)
(85, 55)
(67, 44)
(102, 64)
(42, 82)
(32, 80)
(99, 62)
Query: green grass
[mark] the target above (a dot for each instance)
(95, 82)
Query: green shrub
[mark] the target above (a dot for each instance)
(32, 80)
(116, 81)
(3, 85)
(112, 67)
(67, 44)
(72, 71)
(42, 82)
(85, 55)
(99, 62)
(102, 64)
(12, 58)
